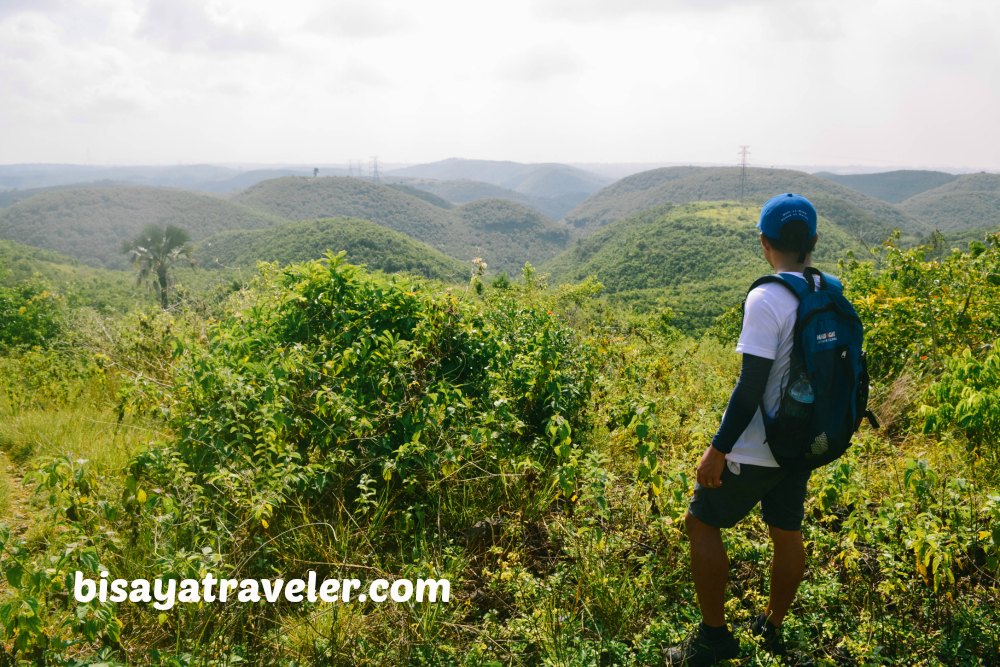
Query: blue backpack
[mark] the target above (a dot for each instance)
(826, 397)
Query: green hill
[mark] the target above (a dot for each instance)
(538, 180)
(505, 234)
(861, 216)
(463, 192)
(698, 258)
(365, 243)
(90, 223)
(969, 203)
(892, 186)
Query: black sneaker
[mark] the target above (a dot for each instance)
(768, 635)
(699, 650)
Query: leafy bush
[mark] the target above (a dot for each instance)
(29, 315)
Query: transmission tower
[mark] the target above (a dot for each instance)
(744, 153)
(375, 175)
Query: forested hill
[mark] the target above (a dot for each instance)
(364, 242)
(860, 215)
(539, 180)
(970, 203)
(503, 233)
(463, 192)
(892, 186)
(696, 258)
(90, 223)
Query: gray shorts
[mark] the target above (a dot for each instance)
(781, 493)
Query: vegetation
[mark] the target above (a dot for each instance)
(363, 242)
(892, 186)
(869, 220)
(463, 192)
(78, 284)
(968, 204)
(538, 180)
(90, 224)
(533, 445)
(503, 233)
(693, 261)
(154, 253)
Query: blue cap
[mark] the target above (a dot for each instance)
(780, 210)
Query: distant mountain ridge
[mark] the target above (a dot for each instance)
(539, 180)
(197, 177)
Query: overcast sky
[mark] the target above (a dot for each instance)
(803, 82)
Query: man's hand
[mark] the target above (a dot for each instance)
(710, 468)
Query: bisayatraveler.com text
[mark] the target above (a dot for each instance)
(163, 594)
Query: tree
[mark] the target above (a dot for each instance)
(154, 251)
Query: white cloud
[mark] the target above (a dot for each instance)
(359, 19)
(189, 25)
(541, 65)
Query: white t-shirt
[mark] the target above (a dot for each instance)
(768, 327)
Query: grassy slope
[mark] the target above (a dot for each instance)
(104, 289)
(970, 203)
(892, 186)
(365, 243)
(858, 214)
(505, 234)
(90, 223)
(696, 258)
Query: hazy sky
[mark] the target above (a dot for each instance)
(803, 82)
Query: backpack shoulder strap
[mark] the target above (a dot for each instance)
(791, 282)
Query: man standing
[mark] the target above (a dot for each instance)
(738, 471)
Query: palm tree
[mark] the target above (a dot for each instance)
(154, 252)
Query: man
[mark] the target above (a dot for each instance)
(738, 471)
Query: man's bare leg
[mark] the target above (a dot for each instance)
(709, 568)
(787, 569)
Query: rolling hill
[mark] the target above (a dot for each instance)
(505, 234)
(891, 186)
(538, 180)
(365, 243)
(90, 223)
(463, 192)
(696, 258)
(968, 204)
(861, 216)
